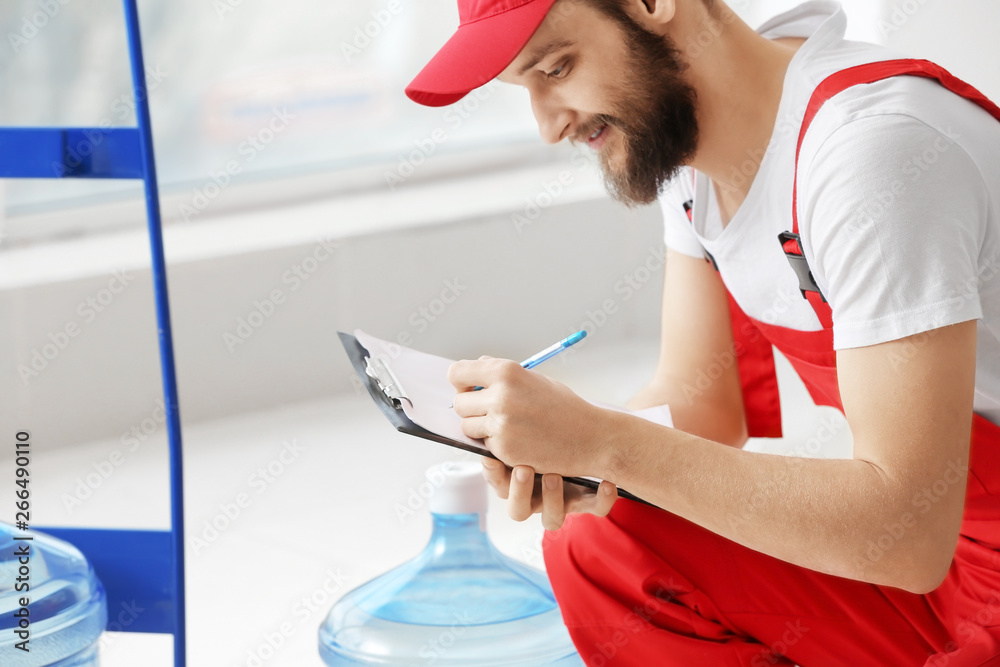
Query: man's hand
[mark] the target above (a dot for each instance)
(525, 418)
(548, 494)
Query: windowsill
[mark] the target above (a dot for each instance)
(432, 203)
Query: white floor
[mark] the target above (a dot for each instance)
(333, 512)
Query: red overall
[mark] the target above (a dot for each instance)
(644, 587)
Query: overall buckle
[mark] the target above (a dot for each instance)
(797, 260)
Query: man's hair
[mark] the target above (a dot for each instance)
(654, 108)
(615, 10)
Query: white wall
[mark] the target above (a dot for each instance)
(514, 291)
(959, 35)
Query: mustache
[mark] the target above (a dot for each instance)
(596, 123)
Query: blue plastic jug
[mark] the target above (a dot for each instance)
(67, 609)
(460, 602)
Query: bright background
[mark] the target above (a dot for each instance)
(524, 230)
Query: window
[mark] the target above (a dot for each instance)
(260, 102)
(246, 93)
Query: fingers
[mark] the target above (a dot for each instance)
(604, 499)
(476, 427)
(520, 503)
(599, 502)
(526, 494)
(497, 476)
(461, 373)
(470, 403)
(553, 502)
(464, 375)
(560, 498)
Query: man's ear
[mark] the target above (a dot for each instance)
(652, 14)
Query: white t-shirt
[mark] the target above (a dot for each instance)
(899, 205)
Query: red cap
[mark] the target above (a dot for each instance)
(490, 35)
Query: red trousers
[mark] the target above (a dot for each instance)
(644, 587)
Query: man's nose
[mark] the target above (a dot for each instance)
(553, 118)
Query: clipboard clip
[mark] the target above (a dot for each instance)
(386, 380)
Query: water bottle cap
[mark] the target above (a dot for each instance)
(459, 488)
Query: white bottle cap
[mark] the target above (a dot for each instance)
(459, 488)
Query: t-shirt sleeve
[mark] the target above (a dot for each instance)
(678, 233)
(892, 215)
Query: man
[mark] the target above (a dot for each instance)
(888, 211)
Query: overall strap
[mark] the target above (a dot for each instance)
(828, 88)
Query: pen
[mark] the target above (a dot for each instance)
(549, 352)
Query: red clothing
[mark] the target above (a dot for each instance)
(644, 587)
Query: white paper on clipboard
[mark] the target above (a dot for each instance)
(428, 396)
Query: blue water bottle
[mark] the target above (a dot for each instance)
(66, 608)
(460, 602)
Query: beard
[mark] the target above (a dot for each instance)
(655, 113)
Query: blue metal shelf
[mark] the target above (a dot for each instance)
(139, 568)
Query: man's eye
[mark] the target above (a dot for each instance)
(557, 72)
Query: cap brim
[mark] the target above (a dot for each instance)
(476, 54)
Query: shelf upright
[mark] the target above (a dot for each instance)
(139, 568)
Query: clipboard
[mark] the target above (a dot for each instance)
(388, 393)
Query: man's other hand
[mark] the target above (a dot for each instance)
(527, 494)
